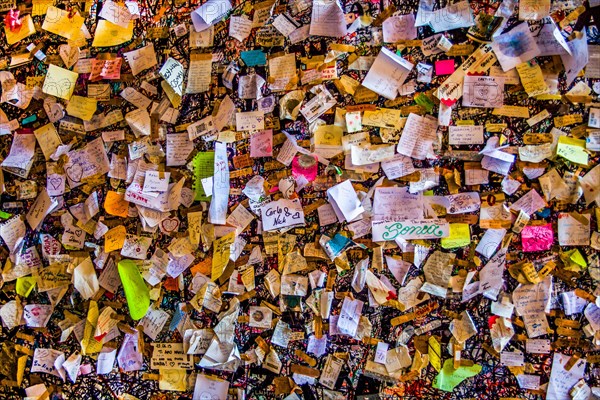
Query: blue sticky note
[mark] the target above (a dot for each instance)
(253, 58)
(337, 245)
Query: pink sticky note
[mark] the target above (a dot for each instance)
(105, 69)
(261, 144)
(444, 67)
(537, 238)
(85, 369)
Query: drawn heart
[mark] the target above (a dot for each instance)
(172, 363)
(69, 54)
(78, 232)
(187, 197)
(170, 224)
(75, 172)
(55, 183)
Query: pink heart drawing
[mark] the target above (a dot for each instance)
(170, 224)
(75, 172)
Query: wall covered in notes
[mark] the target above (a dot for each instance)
(306, 199)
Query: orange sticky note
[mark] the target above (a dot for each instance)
(114, 238)
(115, 204)
(172, 284)
(204, 267)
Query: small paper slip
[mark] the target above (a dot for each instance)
(209, 13)
(418, 136)
(250, 121)
(174, 75)
(381, 352)
(345, 201)
(483, 91)
(327, 19)
(281, 214)
(399, 27)
(444, 67)
(387, 74)
(466, 134)
(156, 181)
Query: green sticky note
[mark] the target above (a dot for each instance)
(5, 215)
(252, 58)
(449, 378)
(460, 236)
(25, 285)
(204, 167)
(578, 259)
(136, 291)
(572, 149)
(424, 102)
(31, 118)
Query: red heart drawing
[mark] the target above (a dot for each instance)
(170, 225)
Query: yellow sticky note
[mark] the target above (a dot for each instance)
(40, 7)
(330, 135)
(435, 353)
(114, 238)
(172, 379)
(460, 236)
(21, 364)
(578, 259)
(512, 111)
(115, 204)
(82, 107)
(89, 345)
(48, 139)
(136, 291)
(573, 260)
(532, 78)
(221, 252)
(109, 34)
(194, 226)
(173, 97)
(572, 149)
(226, 137)
(27, 29)
(449, 378)
(383, 118)
(59, 82)
(57, 21)
(25, 285)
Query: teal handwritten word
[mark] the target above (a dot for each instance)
(397, 229)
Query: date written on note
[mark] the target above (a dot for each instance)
(170, 355)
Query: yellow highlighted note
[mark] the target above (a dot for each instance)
(136, 291)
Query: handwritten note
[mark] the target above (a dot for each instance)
(537, 237)
(59, 82)
(387, 74)
(281, 214)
